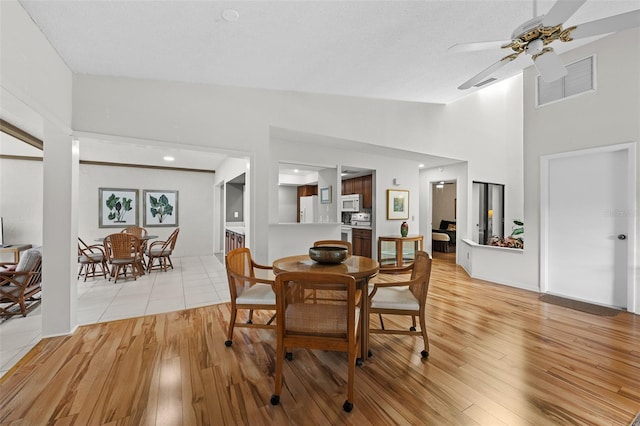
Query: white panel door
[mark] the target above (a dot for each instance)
(587, 260)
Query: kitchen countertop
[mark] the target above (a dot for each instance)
(356, 226)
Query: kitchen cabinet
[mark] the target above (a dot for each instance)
(396, 252)
(232, 240)
(347, 187)
(367, 192)
(360, 185)
(361, 242)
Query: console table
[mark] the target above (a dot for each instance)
(15, 249)
(396, 252)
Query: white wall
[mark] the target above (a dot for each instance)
(610, 115)
(288, 204)
(195, 201)
(21, 202)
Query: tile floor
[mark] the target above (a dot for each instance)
(194, 282)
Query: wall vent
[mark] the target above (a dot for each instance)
(580, 78)
(487, 81)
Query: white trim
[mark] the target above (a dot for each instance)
(594, 83)
(630, 147)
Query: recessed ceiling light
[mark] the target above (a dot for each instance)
(295, 170)
(230, 15)
(421, 165)
(168, 158)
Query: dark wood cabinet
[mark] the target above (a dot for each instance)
(360, 185)
(232, 241)
(361, 242)
(357, 185)
(347, 187)
(367, 192)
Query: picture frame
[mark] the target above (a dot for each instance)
(117, 207)
(160, 208)
(325, 195)
(397, 204)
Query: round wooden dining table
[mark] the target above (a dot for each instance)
(360, 267)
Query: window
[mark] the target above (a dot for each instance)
(580, 78)
(488, 211)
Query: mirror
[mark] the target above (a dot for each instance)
(306, 193)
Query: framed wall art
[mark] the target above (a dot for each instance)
(160, 208)
(118, 207)
(325, 195)
(397, 204)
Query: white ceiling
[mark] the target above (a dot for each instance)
(378, 49)
(374, 49)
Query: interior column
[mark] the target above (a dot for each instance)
(60, 231)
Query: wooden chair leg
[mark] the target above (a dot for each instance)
(232, 323)
(425, 336)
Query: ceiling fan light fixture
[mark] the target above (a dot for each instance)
(549, 65)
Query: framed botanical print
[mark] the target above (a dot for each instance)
(118, 208)
(397, 204)
(160, 208)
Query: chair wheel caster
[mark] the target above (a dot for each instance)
(369, 353)
(288, 356)
(348, 406)
(275, 399)
(412, 329)
(249, 322)
(228, 343)
(424, 354)
(358, 362)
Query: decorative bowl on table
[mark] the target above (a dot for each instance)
(328, 254)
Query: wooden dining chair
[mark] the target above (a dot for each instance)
(123, 251)
(141, 233)
(394, 294)
(161, 252)
(321, 294)
(251, 288)
(92, 260)
(325, 325)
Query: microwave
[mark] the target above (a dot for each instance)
(351, 202)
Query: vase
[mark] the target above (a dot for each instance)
(404, 229)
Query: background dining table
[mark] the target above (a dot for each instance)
(360, 267)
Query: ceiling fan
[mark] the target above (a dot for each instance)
(534, 36)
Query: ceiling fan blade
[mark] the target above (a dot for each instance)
(561, 11)
(486, 72)
(611, 24)
(476, 46)
(550, 66)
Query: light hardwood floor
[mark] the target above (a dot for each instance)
(498, 356)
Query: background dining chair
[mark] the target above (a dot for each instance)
(20, 284)
(315, 295)
(394, 294)
(92, 260)
(162, 251)
(251, 287)
(123, 250)
(302, 323)
(141, 233)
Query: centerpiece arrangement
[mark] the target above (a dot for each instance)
(328, 254)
